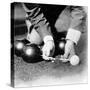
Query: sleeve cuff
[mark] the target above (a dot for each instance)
(47, 38)
(73, 35)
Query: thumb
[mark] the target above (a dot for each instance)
(66, 52)
(72, 52)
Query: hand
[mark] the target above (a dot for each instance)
(48, 49)
(69, 49)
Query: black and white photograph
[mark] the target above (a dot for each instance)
(49, 44)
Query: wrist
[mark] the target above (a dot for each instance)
(48, 38)
(73, 35)
(70, 41)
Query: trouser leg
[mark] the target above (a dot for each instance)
(33, 36)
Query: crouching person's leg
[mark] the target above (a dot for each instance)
(33, 36)
(32, 10)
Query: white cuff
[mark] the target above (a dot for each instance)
(73, 35)
(47, 38)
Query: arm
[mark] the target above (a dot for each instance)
(77, 23)
(75, 30)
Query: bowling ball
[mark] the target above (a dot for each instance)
(32, 53)
(18, 47)
(61, 46)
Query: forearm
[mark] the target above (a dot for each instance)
(77, 24)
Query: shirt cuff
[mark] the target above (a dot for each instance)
(73, 35)
(48, 38)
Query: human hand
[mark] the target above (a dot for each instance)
(69, 49)
(48, 49)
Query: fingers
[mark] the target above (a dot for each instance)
(72, 53)
(46, 52)
(69, 47)
(45, 57)
(67, 51)
(66, 54)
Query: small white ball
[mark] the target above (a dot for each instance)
(74, 60)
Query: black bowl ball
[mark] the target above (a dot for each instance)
(32, 53)
(61, 46)
(18, 48)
